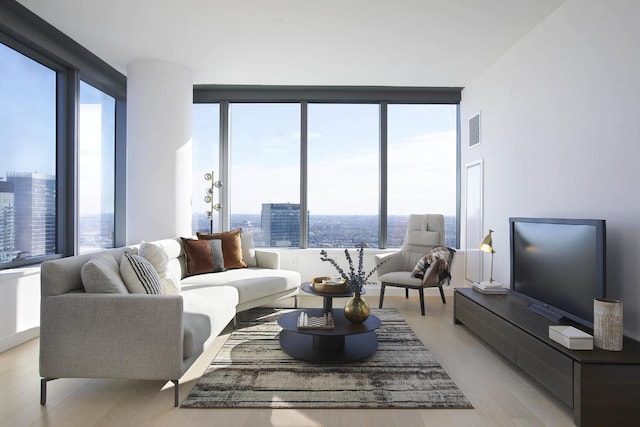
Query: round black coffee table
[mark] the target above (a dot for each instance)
(327, 297)
(347, 342)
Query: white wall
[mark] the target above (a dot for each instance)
(159, 117)
(19, 306)
(560, 125)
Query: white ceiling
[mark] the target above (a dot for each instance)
(303, 42)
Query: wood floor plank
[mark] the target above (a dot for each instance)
(500, 393)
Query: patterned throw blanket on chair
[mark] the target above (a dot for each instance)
(433, 267)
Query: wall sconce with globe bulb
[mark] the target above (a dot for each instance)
(208, 198)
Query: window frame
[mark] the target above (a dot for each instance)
(26, 33)
(304, 95)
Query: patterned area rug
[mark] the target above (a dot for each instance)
(251, 371)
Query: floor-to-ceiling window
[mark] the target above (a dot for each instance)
(264, 185)
(329, 167)
(96, 169)
(343, 175)
(28, 159)
(421, 172)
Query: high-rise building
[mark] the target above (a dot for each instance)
(7, 222)
(35, 212)
(280, 223)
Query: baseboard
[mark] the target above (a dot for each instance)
(21, 337)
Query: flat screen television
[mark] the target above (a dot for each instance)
(559, 265)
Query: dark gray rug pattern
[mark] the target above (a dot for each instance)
(252, 371)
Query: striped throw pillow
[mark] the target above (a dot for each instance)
(139, 275)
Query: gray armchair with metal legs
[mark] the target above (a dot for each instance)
(424, 233)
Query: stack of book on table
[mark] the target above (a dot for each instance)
(494, 288)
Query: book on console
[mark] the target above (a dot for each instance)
(488, 285)
(499, 290)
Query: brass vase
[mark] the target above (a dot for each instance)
(356, 309)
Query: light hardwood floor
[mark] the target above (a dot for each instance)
(500, 394)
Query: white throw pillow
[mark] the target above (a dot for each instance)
(248, 250)
(139, 275)
(101, 274)
(154, 253)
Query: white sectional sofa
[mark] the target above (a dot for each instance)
(139, 336)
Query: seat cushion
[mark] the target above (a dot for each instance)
(400, 278)
(251, 283)
(207, 311)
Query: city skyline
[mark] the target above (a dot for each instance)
(334, 230)
(27, 215)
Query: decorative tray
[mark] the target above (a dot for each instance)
(320, 322)
(328, 284)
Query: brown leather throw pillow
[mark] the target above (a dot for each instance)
(231, 247)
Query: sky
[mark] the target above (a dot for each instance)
(28, 127)
(343, 153)
(27, 115)
(343, 157)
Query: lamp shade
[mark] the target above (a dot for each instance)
(487, 243)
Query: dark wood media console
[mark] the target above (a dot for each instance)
(602, 387)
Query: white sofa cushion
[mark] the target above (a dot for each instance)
(154, 253)
(207, 311)
(251, 283)
(248, 250)
(101, 274)
(139, 275)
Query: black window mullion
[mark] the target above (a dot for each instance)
(304, 211)
(382, 231)
(66, 163)
(120, 202)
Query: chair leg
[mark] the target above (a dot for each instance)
(381, 295)
(421, 290)
(406, 293)
(444, 301)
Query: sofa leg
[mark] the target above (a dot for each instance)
(295, 301)
(43, 389)
(421, 291)
(176, 393)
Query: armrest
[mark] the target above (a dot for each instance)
(111, 336)
(268, 259)
(393, 262)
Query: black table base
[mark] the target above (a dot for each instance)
(347, 342)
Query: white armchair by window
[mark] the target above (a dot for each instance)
(424, 240)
